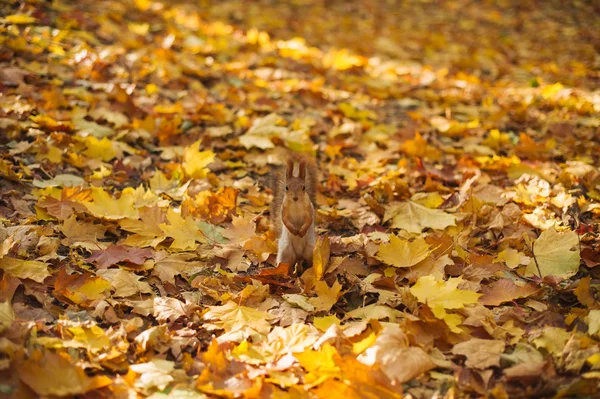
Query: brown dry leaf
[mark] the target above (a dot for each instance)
(505, 290)
(168, 309)
(119, 253)
(480, 353)
(243, 230)
(391, 346)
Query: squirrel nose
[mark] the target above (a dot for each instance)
(295, 198)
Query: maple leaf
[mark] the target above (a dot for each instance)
(480, 353)
(195, 161)
(414, 217)
(81, 234)
(392, 345)
(442, 295)
(326, 296)
(91, 337)
(55, 374)
(60, 209)
(119, 253)
(320, 364)
(99, 149)
(505, 290)
(168, 309)
(243, 230)
(403, 253)
(556, 254)
(155, 373)
(81, 289)
(233, 317)
(167, 266)
(261, 132)
(125, 283)
(104, 206)
(360, 381)
(35, 270)
(185, 232)
(148, 232)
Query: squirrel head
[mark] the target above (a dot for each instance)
(295, 189)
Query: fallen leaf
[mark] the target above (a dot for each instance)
(35, 270)
(480, 353)
(119, 253)
(442, 295)
(55, 374)
(505, 290)
(556, 254)
(414, 217)
(403, 253)
(125, 283)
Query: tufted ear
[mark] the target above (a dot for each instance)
(289, 168)
(302, 169)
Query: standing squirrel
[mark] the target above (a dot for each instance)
(293, 210)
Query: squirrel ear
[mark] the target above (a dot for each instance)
(302, 168)
(289, 169)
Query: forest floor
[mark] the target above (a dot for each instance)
(458, 145)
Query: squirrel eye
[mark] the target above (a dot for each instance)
(287, 188)
(303, 188)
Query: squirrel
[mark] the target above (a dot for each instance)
(293, 209)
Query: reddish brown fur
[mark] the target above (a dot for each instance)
(283, 177)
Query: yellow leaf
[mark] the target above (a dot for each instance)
(557, 254)
(81, 289)
(125, 283)
(143, 5)
(320, 364)
(37, 271)
(195, 161)
(418, 147)
(323, 323)
(20, 19)
(185, 232)
(242, 231)
(326, 296)
(104, 206)
(91, 337)
(442, 295)
(430, 200)
(139, 28)
(57, 375)
(234, 317)
(99, 149)
(414, 217)
(350, 111)
(153, 374)
(593, 321)
(553, 339)
(403, 253)
(53, 154)
(513, 258)
(7, 315)
(321, 256)
(262, 130)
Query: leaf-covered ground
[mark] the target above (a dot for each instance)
(457, 143)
